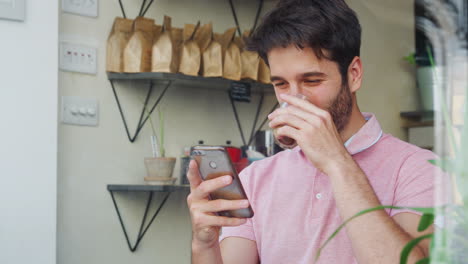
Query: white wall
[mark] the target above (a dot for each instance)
(92, 157)
(389, 85)
(28, 137)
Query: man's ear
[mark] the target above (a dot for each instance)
(355, 74)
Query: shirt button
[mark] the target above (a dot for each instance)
(318, 196)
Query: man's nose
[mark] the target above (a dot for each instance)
(294, 89)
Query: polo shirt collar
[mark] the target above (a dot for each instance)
(367, 136)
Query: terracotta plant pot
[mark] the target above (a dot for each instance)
(160, 167)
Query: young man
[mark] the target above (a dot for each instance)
(343, 163)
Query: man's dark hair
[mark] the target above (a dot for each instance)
(329, 27)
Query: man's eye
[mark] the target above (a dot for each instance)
(279, 84)
(312, 81)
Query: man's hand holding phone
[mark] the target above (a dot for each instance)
(206, 223)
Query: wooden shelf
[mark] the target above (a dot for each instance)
(195, 81)
(418, 115)
(418, 118)
(145, 188)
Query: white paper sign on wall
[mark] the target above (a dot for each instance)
(12, 9)
(81, 7)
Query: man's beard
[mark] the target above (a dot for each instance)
(341, 108)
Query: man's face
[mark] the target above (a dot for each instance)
(295, 70)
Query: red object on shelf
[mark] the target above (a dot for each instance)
(234, 154)
(241, 164)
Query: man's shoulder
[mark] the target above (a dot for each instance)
(400, 147)
(403, 154)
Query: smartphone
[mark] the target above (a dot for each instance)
(213, 162)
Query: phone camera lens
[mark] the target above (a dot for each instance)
(198, 153)
(213, 165)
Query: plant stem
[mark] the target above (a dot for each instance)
(161, 132)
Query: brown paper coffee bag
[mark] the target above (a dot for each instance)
(239, 42)
(116, 43)
(191, 57)
(232, 66)
(218, 37)
(137, 53)
(250, 64)
(177, 43)
(163, 50)
(225, 39)
(157, 31)
(203, 36)
(212, 60)
(263, 72)
(250, 60)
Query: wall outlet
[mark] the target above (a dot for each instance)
(81, 7)
(80, 111)
(78, 58)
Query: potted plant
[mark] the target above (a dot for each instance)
(426, 78)
(159, 168)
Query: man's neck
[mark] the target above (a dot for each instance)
(356, 121)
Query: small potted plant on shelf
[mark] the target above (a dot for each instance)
(159, 168)
(426, 78)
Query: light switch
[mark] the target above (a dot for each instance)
(12, 9)
(79, 111)
(78, 58)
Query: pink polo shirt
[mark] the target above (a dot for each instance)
(295, 211)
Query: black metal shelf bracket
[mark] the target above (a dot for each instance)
(143, 118)
(143, 8)
(143, 227)
(254, 130)
(236, 20)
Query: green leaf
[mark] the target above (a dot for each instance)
(411, 58)
(424, 210)
(161, 132)
(424, 261)
(409, 247)
(426, 221)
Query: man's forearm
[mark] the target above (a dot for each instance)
(206, 255)
(375, 237)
